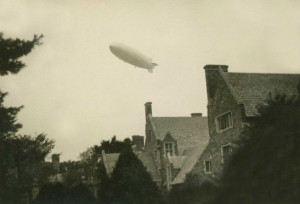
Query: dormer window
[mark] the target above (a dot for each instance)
(224, 121)
(169, 149)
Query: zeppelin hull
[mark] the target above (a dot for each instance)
(131, 56)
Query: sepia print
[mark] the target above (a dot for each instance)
(149, 102)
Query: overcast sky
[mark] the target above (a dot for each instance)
(78, 93)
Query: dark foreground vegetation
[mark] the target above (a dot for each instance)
(266, 166)
(21, 156)
(59, 193)
(264, 169)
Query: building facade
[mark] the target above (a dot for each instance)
(233, 101)
(173, 146)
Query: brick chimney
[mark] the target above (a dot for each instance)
(138, 141)
(148, 109)
(196, 114)
(213, 77)
(55, 161)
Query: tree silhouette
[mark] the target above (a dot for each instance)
(192, 193)
(90, 157)
(11, 50)
(19, 154)
(131, 183)
(266, 167)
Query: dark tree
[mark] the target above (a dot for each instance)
(27, 154)
(266, 167)
(114, 145)
(90, 157)
(11, 50)
(46, 169)
(61, 194)
(8, 120)
(192, 193)
(131, 183)
(80, 194)
(52, 193)
(72, 172)
(20, 156)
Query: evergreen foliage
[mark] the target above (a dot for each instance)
(89, 158)
(11, 50)
(191, 193)
(115, 146)
(8, 124)
(20, 155)
(266, 167)
(60, 194)
(131, 183)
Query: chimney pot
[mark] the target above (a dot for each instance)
(196, 114)
(138, 141)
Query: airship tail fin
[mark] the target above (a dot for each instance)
(150, 70)
(154, 64)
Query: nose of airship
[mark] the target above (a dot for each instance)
(111, 47)
(114, 46)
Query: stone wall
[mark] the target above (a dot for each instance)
(220, 101)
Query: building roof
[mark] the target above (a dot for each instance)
(253, 89)
(187, 131)
(110, 161)
(191, 157)
(149, 164)
(177, 161)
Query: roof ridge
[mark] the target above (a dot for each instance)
(262, 73)
(152, 123)
(179, 117)
(231, 89)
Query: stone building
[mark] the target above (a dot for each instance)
(172, 148)
(175, 143)
(233, 99)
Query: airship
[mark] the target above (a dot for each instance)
(132, 56)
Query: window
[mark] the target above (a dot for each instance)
(207, 165)
(169, 149)
(224, 121)
(226, 151)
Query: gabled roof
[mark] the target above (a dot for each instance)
(110, 161)
(253, 89)
(191, 157)
(149, 164)
(187, 131)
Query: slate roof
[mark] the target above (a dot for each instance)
(253, 89)
(187, 131)
(177, 161)
(110, 161)
(191, 157)
(149, 163)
